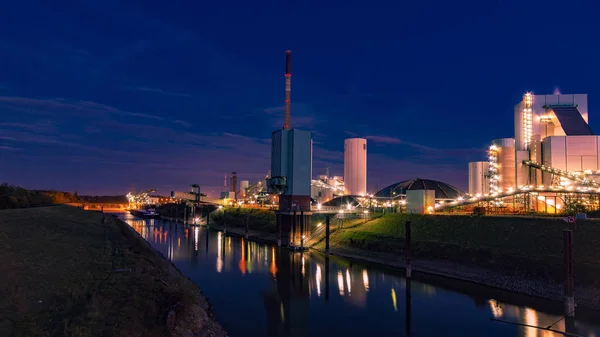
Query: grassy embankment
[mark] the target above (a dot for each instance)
(262, 222)
(529, 246)
(69, 272)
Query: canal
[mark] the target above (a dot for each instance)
(257, 290)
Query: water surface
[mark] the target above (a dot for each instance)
(259, 290)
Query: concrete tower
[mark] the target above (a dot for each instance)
(291, 173)
(355, 166)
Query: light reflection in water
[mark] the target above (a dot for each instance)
(242, 263)
(348, 282)
(340, 279)
(394, 300)
(273, 267)
(219, 252)
(292, 275)
(531, 319)
(318, 280)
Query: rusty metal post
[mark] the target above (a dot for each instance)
(408, 249)
(569, 273)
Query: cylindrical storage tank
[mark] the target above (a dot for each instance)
(243, 186)
(506, 163)
(355, 166)
(478, 182)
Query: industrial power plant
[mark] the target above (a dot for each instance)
(550, 165)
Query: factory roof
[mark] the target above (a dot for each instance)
(442, 190)
(571, 121)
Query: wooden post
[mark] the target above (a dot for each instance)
(301, 229)
(327, 231)
(408, 250)
(569, 286)
(207, 220)
(278, 224)
(224, 222)
(247, 222)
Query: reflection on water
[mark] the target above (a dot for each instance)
(260, 290)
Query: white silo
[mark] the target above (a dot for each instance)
(355, 166)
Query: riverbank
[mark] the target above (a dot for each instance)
(523, 254)
(80, 273)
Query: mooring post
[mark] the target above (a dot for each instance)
(408, 250)
(278, 225)
(208, 220)
(224, 223)
(184, 214)
(301, 229)
(327, 236)
(293, 236)
(247, 222)
(569, 286)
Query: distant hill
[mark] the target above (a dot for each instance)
(18, 197)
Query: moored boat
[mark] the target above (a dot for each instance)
(145, 213)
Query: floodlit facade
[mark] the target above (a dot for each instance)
(479, 182)
(355, 166)
(326, 188)
(553, 156)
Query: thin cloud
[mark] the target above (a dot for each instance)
(10, 148)
(162, 92)
(78, 106)
(384, 139)
(274, 110)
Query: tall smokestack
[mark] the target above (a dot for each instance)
(288, 89)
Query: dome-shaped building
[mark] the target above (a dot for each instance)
(442, 190)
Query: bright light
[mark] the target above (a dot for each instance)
(319, 207)
(220, 207)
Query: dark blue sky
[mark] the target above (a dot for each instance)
(100, 96)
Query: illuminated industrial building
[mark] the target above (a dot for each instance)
(355, 166)
(552, 162)
(326, 188)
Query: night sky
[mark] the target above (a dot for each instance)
(106, 96)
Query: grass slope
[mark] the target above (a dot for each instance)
(59, 278)
(531, 245)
